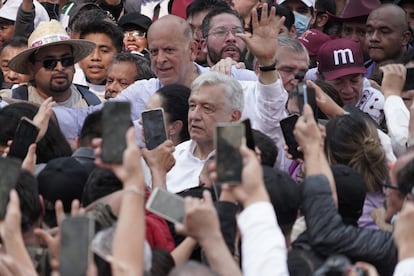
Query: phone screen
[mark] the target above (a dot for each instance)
(76, 236)
(10, 172)
(409, 80)
(288, 125)
(154, 127)
(229, 162)
(306, 95)
(25, 135)
(116, 119)
(167, 205)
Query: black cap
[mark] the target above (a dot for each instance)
(135, 19)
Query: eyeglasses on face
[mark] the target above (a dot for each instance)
(223, 31)
(50, 63)
(134, 33)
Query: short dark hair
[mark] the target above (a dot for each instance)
(204, 5)
(91, 128)
(142, 65)
(175, 103)
(205, 26)
(16, 42)
(268, 149)
(281, 10)
(112, 30)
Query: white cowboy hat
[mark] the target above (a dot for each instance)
(50, 34)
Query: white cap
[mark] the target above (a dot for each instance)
(10, 8)
(309, 3)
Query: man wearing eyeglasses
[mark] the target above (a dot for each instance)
(50, 60)
(220, 28)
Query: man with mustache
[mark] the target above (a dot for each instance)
(50, 60)
(220, 28)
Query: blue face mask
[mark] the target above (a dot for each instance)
(301, 22)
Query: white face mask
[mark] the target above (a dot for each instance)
(301, 22)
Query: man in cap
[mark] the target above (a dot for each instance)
(304, 13)
(341, 64)
(354, 20)
(13, 20)
(135, 27)
(50, 60)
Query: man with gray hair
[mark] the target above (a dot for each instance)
(214, 98)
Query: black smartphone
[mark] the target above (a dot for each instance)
(75, 239)
(249, 134)
(288, 125)
(25, 135)
(116, 119)
(409, 80)
(10, 173)
(306, 95)
(228, 139)
(153, 123)
(167, 205)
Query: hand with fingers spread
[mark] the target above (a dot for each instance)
(263, 41)
(51, 237)
(42, 117)
(393, 80)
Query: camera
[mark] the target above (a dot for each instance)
(338, 265)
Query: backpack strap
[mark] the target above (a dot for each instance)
(20, 93)
(90, 97)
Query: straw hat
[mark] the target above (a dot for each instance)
(50, 34)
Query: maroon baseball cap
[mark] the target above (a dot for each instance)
(357, 10)
(340, 57)
(312, 40)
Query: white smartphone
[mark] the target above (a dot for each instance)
(167, 205)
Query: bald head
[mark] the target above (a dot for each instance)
(396, 14)
(171, 23)
(387, 34)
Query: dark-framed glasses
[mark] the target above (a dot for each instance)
(50, 63)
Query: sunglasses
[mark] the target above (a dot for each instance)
(50, 63)
(134, 33)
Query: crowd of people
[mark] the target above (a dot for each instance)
(341, 205)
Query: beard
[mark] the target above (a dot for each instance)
(238, 55)
(58, 87)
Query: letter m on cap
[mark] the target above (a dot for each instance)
(343, 56)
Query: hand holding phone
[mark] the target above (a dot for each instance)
(153, 123)
(25, 135)
(75, 240)
(288, 125)
(167, 205)
(116, 119)
(228, 139)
